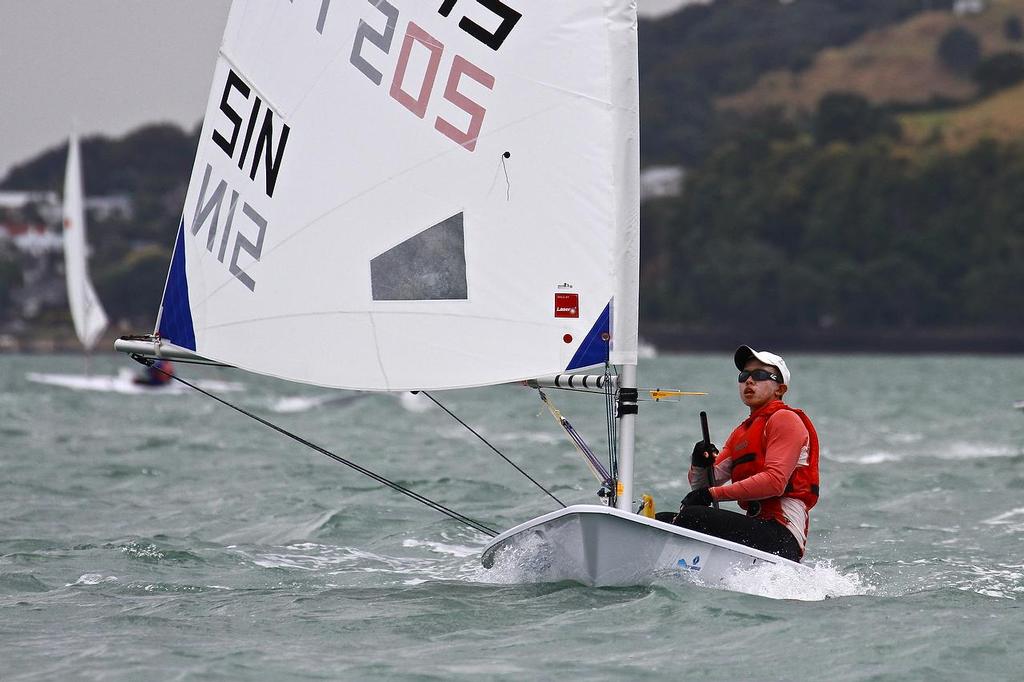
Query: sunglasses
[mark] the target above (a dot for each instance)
(759, 375)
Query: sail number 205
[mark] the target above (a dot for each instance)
(381, 38)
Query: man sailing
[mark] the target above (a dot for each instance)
(771, 459)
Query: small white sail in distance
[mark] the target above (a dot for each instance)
(86, 311)
(397, 194)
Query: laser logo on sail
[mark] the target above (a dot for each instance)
(567, 305)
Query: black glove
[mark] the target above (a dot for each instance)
(701, 497)
(703, 454)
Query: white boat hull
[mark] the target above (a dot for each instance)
(602, 546)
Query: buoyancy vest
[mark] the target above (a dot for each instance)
(749, 459)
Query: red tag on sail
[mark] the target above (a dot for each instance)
(567, 305)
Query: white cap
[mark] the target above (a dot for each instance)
(744, 353)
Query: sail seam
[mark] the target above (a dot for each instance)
(376, 349)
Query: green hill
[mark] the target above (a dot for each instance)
(900, 66)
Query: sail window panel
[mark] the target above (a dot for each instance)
(429, 266)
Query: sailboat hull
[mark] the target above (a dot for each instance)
(601, 546)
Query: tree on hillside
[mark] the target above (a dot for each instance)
(703, 52)
(131, 289)
(1012, 28)
(849, 117)
(782, 232)
(959, 50)
(10, 276)
(999, 71)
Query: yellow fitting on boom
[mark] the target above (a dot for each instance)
(661, 394)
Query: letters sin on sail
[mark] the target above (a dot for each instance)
(87, 313)
(394, 194)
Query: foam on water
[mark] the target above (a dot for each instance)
(138, 551)
(810, 582)
(299, 403)
(93, 579)
(333, 561)
(1012, 520)
(304, 403)
(877, 457)
(906, 438)
(443, 548)
(972, 450)
(965, 574)
(414, 402)
(1001, 581)
(527, 561)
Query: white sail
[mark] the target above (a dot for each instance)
(86, 311)
(393, 194)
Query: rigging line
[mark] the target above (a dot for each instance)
(600, 473)
(337, 458)
(485, 442)
(609, 406)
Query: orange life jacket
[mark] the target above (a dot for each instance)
(803, 484)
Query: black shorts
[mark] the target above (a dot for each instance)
(767, 536)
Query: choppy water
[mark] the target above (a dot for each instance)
(167, 537)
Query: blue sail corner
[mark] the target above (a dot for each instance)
(594, 349)
(176, 316)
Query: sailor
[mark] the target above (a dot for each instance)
(157, 374)
(771, 459)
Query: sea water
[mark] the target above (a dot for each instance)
(168, 537)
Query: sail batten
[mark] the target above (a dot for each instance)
(383, 199)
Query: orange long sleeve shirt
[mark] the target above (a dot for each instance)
(787, 441)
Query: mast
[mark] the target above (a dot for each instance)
(625, 316)
(627, 409)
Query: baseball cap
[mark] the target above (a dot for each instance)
(744, 353)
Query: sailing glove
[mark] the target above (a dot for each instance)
(703, 454)
(701, 497)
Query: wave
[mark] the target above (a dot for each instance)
(147, 551)
(19, 583)
(92, 579)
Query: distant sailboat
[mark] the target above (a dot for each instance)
(87, 312)
(392, 195)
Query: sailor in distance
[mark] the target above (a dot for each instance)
(769, 465)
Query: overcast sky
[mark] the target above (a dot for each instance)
(109, 66)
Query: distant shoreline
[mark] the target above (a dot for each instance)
(676, 338)
(669, 338)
